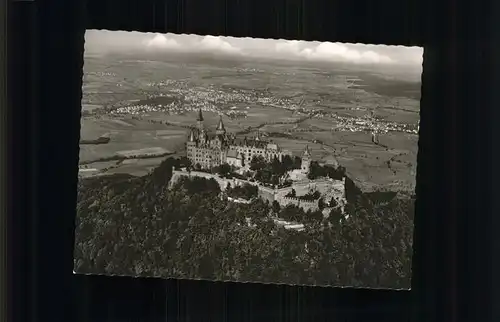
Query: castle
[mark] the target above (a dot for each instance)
(211, 150)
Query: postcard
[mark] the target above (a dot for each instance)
(247, 160)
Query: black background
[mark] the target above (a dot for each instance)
(453, 270)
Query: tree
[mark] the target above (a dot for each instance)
(287, 162)
(297, 162)
(277, 167)
(246, 191)
(321, 204)
(141, 225)
(184, 162)
(276, 207)
(315, 216)
(315, 170)
(257, 163)
(291, 194)
(335, 216)
(291, 213)
(224, 169)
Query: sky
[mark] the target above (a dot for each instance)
(98, 42)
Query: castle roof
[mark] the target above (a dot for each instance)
(272, 146)
(250, 143)
(220, 126)
(233, 154)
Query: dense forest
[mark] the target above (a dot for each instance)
(139, 226)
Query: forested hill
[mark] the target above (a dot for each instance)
(137, 226)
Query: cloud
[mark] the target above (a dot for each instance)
(333, 52)
(212, 43)
(258, 48)
(162, 42)
(190, 44)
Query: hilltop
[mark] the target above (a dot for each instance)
(139, 226)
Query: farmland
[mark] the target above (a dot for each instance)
(150, 104)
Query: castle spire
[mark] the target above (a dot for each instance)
(220, 131)
(200, 115)
(306, 151)
(220, 127)
(200, 121)
(191, 136)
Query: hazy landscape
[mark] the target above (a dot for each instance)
(152, 103)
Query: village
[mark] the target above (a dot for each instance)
(175, 98)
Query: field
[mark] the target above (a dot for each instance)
(150, 104)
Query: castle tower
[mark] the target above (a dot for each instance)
(200, 120)
(220, 128)
(191, 146)
(202, 136)
(306, 160)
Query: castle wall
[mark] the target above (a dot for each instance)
(234, 162)
(249, 152)
(328, 188)
(207, 157)
(324, 186)
(176, 175)
(283, 191)
(305, 205)
(266, 194)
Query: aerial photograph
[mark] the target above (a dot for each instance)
(247, 160)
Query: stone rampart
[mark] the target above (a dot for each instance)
(328, 188)
(305, 205)
(176, 175)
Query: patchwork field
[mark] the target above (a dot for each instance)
(129, 136)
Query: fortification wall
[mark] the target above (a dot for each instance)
(285, 201)
(309, 206)
(283, 192)
(241, 182)
(266, 194)
(328, 188)
(321, 185)
(176, 175)
(305, 205)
